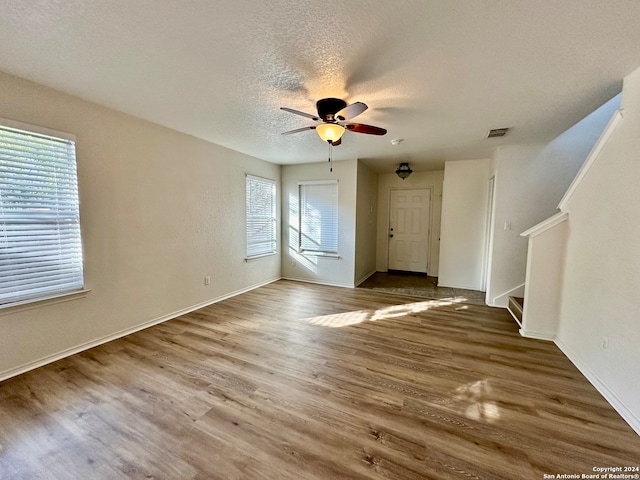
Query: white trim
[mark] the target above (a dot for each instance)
(488, 234)
(625, 412)
(267, 179)
(262, 255)
(28, 127)
(318, 282)
(316, 182)
(591, 159)
(502, 300)
(42, 301)
(512, 313)
(312, 253)
(12, 372)
(536, 335)
(364, 278)
(545, 225)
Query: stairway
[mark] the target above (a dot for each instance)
(515, 307)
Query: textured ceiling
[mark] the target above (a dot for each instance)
(437, 73)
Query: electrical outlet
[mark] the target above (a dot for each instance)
(207, 280)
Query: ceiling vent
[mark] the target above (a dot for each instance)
(497, 132)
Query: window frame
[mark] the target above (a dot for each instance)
(302, 248)
(273, 218)
(17, 216)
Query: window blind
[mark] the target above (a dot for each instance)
(40, 245)
(319, 217)
(261, 216)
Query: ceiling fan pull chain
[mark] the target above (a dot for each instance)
(330, 156)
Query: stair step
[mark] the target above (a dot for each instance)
(516, 307)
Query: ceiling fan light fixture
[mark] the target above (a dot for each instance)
(330, 132)
(403, 170)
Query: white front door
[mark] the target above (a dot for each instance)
(409, 229)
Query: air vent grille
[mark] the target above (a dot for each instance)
(497, 132)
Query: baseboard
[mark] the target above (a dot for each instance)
(123, 333)
(363, 279)
(318, 282)
(537, 335)
(619, 406)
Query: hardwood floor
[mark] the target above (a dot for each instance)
(300, 381)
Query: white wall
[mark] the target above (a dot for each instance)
(366, 223)
(601, 300)
(517, 202)
(530, 181)
(331, 271)
(463, 231)
(545, 270)
(390, 181)
(159, 211)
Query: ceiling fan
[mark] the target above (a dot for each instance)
(334, 115)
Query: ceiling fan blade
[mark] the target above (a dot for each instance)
(351, 111)
(303, 129)
(362, 128)
(298, 112)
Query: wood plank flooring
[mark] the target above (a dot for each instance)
(301, 381)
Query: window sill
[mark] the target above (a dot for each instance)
(42, 302)
(255, 257)
(320, 254)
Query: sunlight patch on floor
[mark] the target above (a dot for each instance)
(338, 320)
(473, 401)
(409, 308)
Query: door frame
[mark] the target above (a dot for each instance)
(429, 235)
(489, 233)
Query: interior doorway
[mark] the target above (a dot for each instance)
(409, 221)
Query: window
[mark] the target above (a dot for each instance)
(40, 245)
(261, 216)
(319, 217)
